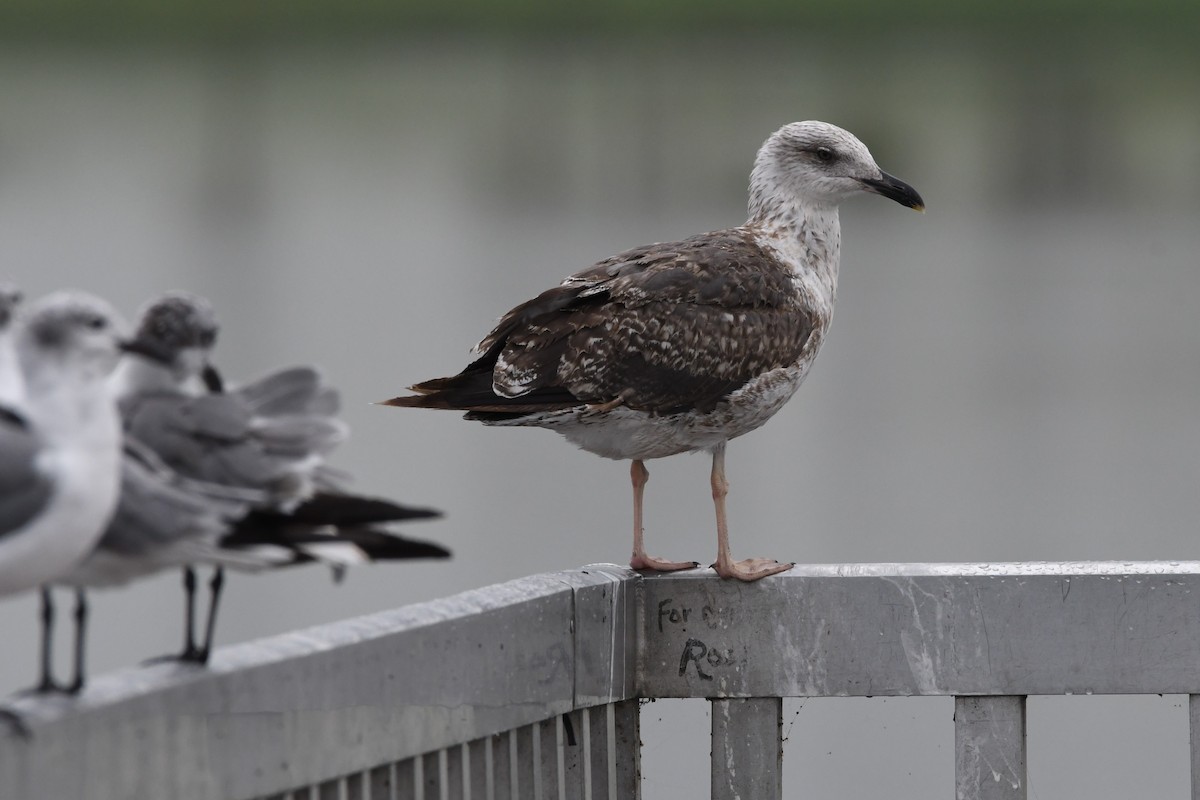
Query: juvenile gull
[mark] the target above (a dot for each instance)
(682, 346)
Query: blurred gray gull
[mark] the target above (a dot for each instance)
(272, 434)
(681, 346)
(268, 437)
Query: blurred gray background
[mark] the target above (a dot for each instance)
(1011, 376)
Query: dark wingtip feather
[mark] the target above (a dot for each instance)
(334, 508)
(407, 401)
(441, 384)
(394, 548)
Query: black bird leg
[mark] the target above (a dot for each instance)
(47, 682)
(81, 618)
(214, 597)
(190, 651)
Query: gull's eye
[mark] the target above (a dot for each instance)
(825, 155)
(96, 323)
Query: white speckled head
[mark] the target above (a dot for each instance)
(178, 331)
(815, 164)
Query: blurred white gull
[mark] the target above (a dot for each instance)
(60, 442)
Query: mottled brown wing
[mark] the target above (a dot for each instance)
(665, 327)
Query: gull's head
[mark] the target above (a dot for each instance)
(70, 333)
(178, 331)
(818, 164)
(10, 298)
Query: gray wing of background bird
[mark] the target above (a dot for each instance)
(163, 520)
(25, 490)
(270, 434)
(295, 390)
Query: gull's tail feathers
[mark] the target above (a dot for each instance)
(472, 391)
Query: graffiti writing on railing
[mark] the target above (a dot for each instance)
(697, 654)
(713, 617)
(705, 659)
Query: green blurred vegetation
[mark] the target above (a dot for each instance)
(324, 19)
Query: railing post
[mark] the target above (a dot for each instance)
(1194, 728)
(747, 749)
(989, 748)
(622, 726)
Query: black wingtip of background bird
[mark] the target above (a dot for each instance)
(337, 508)
(385, 546)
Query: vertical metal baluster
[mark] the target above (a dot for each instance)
(584, 734)
(536, 747)
(477, 762)
(560, 757)
(382, 783)
(418, 763)
(546, 735)
(356, 786)
(406, 779)
(452, 778)
(571, 752)
(333, 790)
(612, 754)
(624, 750)
(1194, 728)
(501, 767)
(435, 776)
(465, 771)
(523, 767)
(443, 773)
(489, 769)
(747, 748)
(989, 748)
(601, 760)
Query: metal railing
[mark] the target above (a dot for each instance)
(530, 689)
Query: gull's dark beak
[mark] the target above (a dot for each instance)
(894, 189)
(141, 347)
(212, 379)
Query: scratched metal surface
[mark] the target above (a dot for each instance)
(747, 749)
(306, 707)
(989, 748)
(865, 630)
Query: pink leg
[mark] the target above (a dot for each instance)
(752, 568)
(639, 475)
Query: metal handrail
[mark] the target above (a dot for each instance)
(530, 688)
